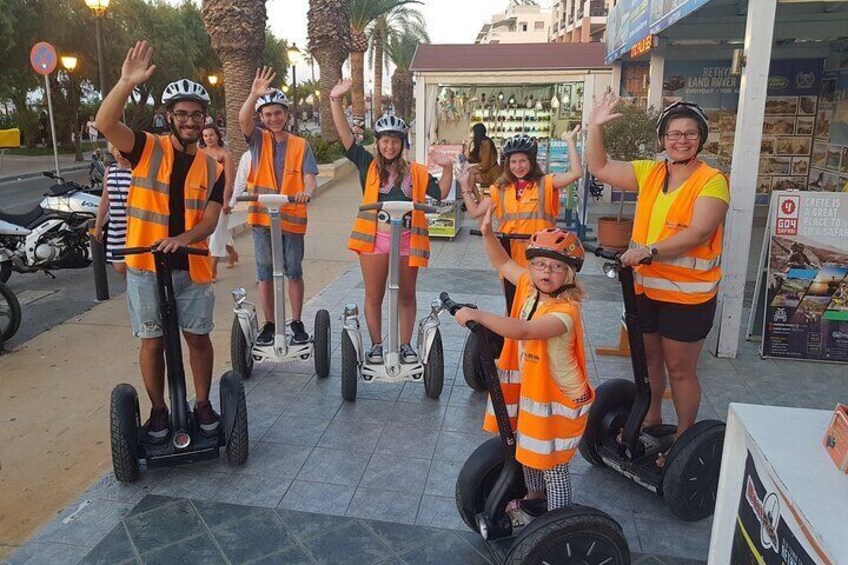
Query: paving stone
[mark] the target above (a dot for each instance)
(439, 512)
(217, 514)
(296, 430)
(292, 556)
(391, 505)
(446, 549)
(84, 522)
(352, 435)
(402, 537)
(306, 525)
(458, 446)
(275, 460)
(252, 538)
(407, 441)
(197, 549)
(353, 543)
(321, 498)
(442, 478)
(674, 539)
(391, 473)
(114, 548)
(48, 554)
(188, 483)
(253, 490)
(163, 525)
(428, 415)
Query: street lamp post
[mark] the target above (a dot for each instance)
(294, 56)
(213, 81)
(316, 106)
(99, 8)
(69, 62)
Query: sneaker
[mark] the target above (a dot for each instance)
(266, 336)
(207, 419)
(158, 426)
(375, 356)
(523, 511)
(300, 335)
(407, 354)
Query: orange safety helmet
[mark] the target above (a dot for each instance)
(558, 244)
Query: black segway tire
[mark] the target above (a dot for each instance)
(124, 423)
(472, 369)
(613, 400)
(240, 353)
(350, 368)
(434, 370)
(573, 535)
(477, 478)
(234, 418)
(690, 475)
(321, 345)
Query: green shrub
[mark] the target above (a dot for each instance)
(325, 151)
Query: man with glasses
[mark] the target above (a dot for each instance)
(174, 199)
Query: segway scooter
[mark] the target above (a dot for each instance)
(244, 350)
(430, 365)
(492, 477)
(472, 370)
(614, 437)
(186, 444)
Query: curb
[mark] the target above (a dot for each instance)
(26, 176)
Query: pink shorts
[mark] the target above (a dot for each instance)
(384, 242)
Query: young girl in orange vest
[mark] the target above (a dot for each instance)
(388, 176)
(542, 367)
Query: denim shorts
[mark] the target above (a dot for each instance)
(195, 303)
(292, 254)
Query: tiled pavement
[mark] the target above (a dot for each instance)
(372, 481)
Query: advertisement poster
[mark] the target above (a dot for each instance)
(446, 222)
(767, 531)
(829, 163)
(806, 305)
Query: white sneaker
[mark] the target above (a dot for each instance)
(375, 356)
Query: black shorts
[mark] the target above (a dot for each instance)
(680, 322)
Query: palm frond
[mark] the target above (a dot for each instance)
(364, 12)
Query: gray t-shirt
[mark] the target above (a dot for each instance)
(309, 166)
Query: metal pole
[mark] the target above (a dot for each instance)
(52, 124)
(294, 94)
(101, 68)
(77, 135)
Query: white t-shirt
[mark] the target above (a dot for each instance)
(240, 184)
(92, 129)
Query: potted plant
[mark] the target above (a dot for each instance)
(632, 136)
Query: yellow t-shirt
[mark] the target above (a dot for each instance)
(716, 187)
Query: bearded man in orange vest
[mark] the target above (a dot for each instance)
(175, 197)
(680, 212)
(281, 163)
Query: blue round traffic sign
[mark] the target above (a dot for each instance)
(43, 58)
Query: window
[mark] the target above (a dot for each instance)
(539, 26)
(523, 26)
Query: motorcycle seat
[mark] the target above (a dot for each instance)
(61, 189)
(23, 220)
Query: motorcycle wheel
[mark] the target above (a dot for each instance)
(5, 271)
(10, 313)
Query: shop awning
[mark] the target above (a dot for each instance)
(509, 57)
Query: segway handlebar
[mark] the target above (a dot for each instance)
(453, 307)
(610, 255)
(124, 251)
(394, 207)
(501, 235)
(266, 199)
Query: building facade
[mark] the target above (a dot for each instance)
(517, 24)
(578, 21)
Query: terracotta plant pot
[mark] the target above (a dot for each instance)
(614, 233)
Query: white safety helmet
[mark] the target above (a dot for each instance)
(276, 96)
(389, 124)
(185, 90)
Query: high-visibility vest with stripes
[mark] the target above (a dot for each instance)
(364, 233)
(690, 278)
(536, 210)
(548, 424)
(262, 179)
(148, 203)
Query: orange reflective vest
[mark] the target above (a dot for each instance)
(536, 210)
(148, 206)
(364, 233)
(262, 179)
(548, 424)
(691, 278)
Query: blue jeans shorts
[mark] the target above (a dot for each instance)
(292, 254)
(195, 303)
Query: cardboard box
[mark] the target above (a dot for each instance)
(836, 438)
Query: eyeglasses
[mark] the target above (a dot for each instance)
(676, 135)
(196, 117)
(553, 267)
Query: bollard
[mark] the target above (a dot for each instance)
(98, 262)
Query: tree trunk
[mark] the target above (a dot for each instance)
(357, 92)
(377, 96)
(402, 92)
(239, 71)
(330, 65)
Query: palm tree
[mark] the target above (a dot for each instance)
(329, 42)
(398, 21)
(237, 30)
(401, 49)
(363, 13)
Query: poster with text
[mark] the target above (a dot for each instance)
(806, 309)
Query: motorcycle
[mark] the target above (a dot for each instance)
(50, 236)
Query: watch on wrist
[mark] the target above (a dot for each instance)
(654, 251)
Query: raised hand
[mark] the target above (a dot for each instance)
(440, 159)
(137, 68)
(466, 173)
(604, 111)
(341, 88)
(262, 81)
(572, 135)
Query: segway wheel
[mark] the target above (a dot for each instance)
(477, 478)
(350, 368)
(607, 415)
(434, 370)
(690, 478)
(573, 535)
(472, 370)
(124, 423)
(321, 343)
(240, 351)
(234, 418)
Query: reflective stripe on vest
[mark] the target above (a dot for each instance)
(693, 277)
(547, 446)
(553, 408)
(262, 179)
(364, 234)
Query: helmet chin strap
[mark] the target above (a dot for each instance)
(183, 143)
(554, 294)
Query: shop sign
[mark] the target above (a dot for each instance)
(643, 46)
(806, 305)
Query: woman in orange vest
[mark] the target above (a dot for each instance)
(679, 216)
(544, 380)
(388, 176)
(525, 199)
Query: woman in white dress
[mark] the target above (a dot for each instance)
(221, 243)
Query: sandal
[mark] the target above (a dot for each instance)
(645, 424)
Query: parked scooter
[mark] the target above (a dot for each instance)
(51, 236)
(10, 314)
(244, 350)
(430, 365)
